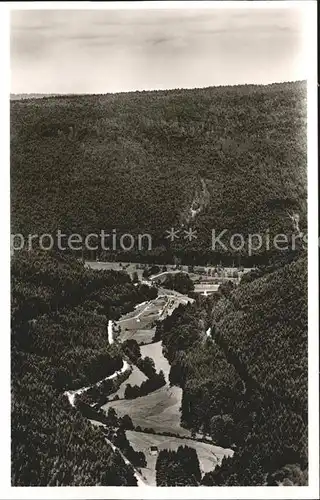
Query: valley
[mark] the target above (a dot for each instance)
(158, 412)
(179, 364)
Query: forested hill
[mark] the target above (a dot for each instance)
(246, 386)
(138, 161)
(59, 341)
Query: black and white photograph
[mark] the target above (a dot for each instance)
(162, 175)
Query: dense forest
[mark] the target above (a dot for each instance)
(136, 162)
(178, 468)
(146, 162)
(59, 341)
(246, 385)
(180, 282)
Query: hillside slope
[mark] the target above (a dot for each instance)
(143, 161)
(247, 385)
(58, 342)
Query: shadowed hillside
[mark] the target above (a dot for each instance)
(147, 161)
(246, 385)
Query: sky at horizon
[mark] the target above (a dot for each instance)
(105, 51)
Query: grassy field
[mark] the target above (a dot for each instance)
(209, 455)
(129, 268)
(134, 324)
(143, 336)
(136, 378)
(142, 318)
(158, 410)
(154, 351)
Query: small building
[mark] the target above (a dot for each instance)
(153, 450)
(206, 289)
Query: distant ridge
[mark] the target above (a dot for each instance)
(17, 97)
